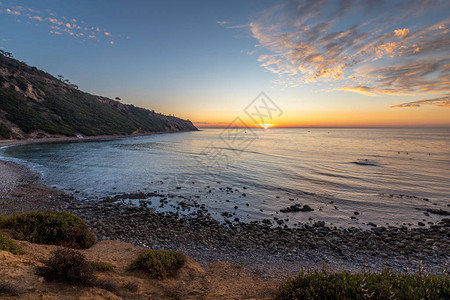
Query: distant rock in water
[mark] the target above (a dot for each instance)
(366, 162)
(296, 208)
(34, 104)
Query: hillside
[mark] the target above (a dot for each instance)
(35, 104)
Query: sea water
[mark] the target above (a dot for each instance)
(349, 177)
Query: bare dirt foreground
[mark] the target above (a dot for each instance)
(220, 281)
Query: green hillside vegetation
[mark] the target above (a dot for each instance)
(33, 103)
(384, 285)
(6, 244)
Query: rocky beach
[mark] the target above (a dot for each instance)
(266, 248)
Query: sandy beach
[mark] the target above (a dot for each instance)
(64, 139)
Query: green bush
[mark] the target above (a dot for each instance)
(6, 244)
(69, 266)
(102, 266)
(2, 220)
(51, 227)
(384, 285)
(159, 263)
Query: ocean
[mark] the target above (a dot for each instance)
(348, 176)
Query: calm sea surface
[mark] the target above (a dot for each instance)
(388, 176)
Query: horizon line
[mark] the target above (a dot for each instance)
(293, 127)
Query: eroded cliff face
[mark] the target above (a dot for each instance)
(34, 104)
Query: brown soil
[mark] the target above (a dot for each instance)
(220, 281)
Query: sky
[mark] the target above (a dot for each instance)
(319, 63)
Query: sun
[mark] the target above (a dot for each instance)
(265, 126)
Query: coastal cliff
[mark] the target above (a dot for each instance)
(35, 104)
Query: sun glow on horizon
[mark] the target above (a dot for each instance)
(265, 126)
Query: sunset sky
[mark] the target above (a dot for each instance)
(324, 63)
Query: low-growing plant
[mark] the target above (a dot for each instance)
(384, 285)
(2, 220)
(6, 244)
(102, 266)
(158, 263)
(69, 266)
(51, 227)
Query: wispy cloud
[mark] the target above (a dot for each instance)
(54, 21)
(367, 47)
(13, 12)
(40, 19)
(227, 24)
(59, 25)
(440, 102)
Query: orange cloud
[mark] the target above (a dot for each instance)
(402, 33)
(54, 21)
(317, 44)
(13, 12)
(36, 18)
(364, 90)
(57, 26)
(440, 102)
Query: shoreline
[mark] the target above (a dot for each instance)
(67, 139)
(272, 252)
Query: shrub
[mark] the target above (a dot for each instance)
(69, 266)
(159, 263)
(51, 227)
(102, 266)
(384, 285)
(6, 244)
(2, 220)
